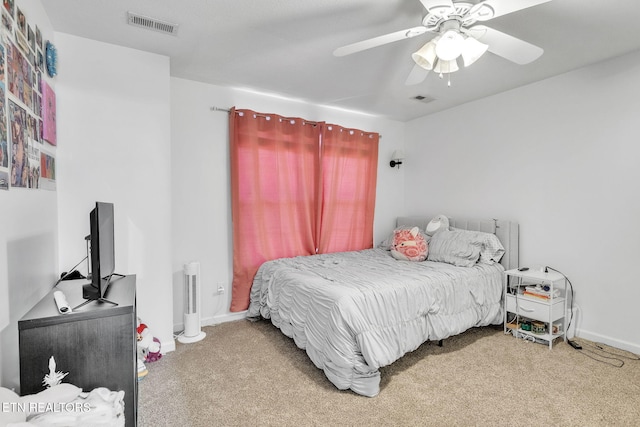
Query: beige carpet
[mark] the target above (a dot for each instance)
(250, 374)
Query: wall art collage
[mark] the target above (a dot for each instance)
(27, 103)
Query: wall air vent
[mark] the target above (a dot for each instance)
(151, 24)
(424, 99)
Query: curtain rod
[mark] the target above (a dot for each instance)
(228, 110)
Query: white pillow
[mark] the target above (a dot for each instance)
(454, 247)
(491, 250)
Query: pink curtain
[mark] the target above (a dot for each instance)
(274, 193)
(297, 188)
(349, 174)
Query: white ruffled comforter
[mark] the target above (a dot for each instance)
(355, 312)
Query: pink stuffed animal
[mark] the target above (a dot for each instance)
(409, 245)
(148, 345)
(153, 353)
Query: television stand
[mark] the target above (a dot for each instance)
(90, 293)
(91, 300)
(97, 345)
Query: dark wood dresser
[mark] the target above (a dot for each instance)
(95, 344)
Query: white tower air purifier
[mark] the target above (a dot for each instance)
(192, 331)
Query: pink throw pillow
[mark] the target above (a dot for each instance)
(409, 245)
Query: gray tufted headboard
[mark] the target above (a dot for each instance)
(506, 231)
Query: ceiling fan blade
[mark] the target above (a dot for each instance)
(437, 5)
(416, 76)
(509, 47)
(379, 41)
(490, 9)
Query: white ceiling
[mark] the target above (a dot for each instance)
(285, 47)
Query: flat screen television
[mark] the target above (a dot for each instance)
(101, 253)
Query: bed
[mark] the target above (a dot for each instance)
(355, 312)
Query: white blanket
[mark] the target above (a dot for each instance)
(63, 405)
(355, 312)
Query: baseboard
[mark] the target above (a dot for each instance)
(207, 321)
(623, 345)
(167, 346)
(229, 317)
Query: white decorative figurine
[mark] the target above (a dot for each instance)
(53, 377)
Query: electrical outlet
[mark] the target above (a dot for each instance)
(220, 288)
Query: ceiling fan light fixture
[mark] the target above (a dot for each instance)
(449, 47)
(426, 55)
(472, 50)
(446, 67)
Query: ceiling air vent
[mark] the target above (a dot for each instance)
(422, 98)
(152, 24)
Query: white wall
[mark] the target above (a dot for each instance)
(28, 243)
(200, 181)
(560, 157)
(114, 133)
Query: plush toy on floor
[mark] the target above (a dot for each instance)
(148, 345)
(153, 353)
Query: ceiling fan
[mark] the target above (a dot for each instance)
(457, 34)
